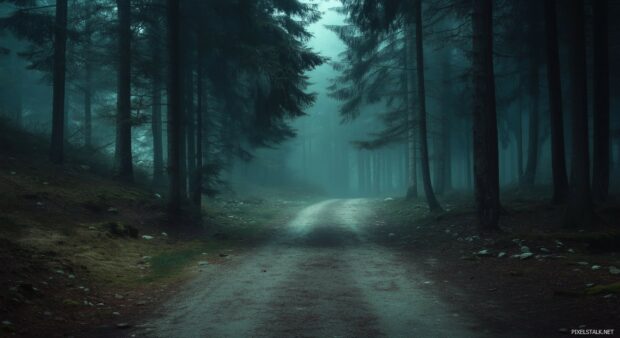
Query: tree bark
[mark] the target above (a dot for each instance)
(558, 155)
(88, 108)
(156, 119)
(486, 166)
(58, 104)
(200, 104)
(433, 204)
(124, 166)
(174, 106)
(190, 123)
(529, 177)
(412, 187)
(601, 149)
(580, 210)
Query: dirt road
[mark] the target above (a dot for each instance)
(320, 278)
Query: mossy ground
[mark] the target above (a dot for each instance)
(63, 270)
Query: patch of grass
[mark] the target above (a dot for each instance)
(171, 263)
(607, 288)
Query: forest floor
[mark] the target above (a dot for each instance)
(533, 277)
(79, 251)
(372, 268)
(83, 255)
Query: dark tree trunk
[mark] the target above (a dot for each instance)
(200, 110)
(529, 177)
(174, 106)
(558, 156)
(486, 166)
(445, 172)
(88, 108)
(519, 139)
(88, 86)
(580, 211)
(412, 188)
(58, 104)
(156, 120)
(190, 123)
(124, 167)
(433, 204)
(468, 161)
(601, 149)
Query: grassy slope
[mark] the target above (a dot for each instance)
(63, 270)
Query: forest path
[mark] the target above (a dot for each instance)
(320, 278)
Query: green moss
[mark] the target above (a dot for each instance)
(606, 289)
(171, 263)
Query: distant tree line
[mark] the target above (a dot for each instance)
(488, 56)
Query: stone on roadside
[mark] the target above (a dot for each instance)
(596, 267)
(147, 237)
(483, 252)
(525, 249)
(501, 254)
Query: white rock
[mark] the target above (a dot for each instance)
(147, 237)
(164, 234)
(501, 255)
(483, 252)
(158, 196)
(614, 270)
(387, 199)
(203, 263)
(596, 267)
(544, 250)
(525, 249)
(526, 255)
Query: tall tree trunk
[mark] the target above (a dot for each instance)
(124, 167)
(58, 104)
(88, 107)
(200, 93)
(190, 125)
(468, 161)
(580, 210)
(519, 139)
(558, 155)
(433, 204)
(412, 188)
(529, 177)
(601, 149)
(486, 164)
(445, 174)
(156, 119)
(174, 106)
(88, 86)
